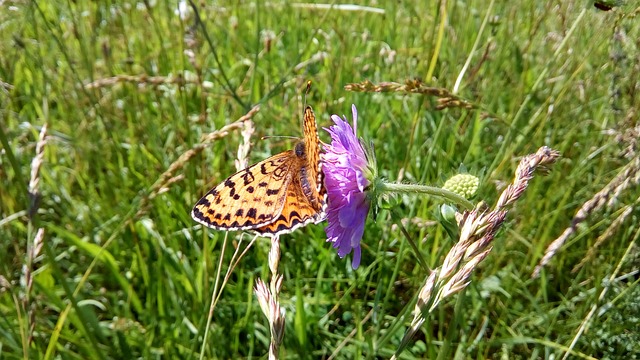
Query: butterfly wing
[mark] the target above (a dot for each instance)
(312, 149)
(274, 196)
(312, 177)
(305, 195)
(250, 198)
(297, 211)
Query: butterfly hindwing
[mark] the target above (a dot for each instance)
(248, 199)
(297, 211)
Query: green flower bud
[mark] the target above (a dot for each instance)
(465, 185)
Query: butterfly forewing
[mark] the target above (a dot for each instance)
(313, 169)
(250, 198)
(312, 147)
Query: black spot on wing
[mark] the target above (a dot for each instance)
(294, 219)
(198, 214)
(248, 177)
(280, 172)
(294, 215)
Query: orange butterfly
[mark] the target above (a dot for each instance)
(274, 196)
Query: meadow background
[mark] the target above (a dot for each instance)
(126, 89)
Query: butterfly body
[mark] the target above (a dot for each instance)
(272, 197)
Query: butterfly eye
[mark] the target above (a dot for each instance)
(299, 150)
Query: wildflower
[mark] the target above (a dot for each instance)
(352, 183)
(349, 172)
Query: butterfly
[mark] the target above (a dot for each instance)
(274, 196)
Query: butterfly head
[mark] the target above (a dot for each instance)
(300, 150)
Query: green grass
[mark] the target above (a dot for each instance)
(124, 274)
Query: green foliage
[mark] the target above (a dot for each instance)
(620, 323)
(126, 88)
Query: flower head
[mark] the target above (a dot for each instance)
(348, 174)
(465, 185)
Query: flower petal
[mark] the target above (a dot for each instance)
(344, 167)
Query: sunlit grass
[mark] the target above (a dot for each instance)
(128, 89)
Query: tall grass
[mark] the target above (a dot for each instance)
(140, 103)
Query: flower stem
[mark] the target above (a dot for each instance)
(424, 189)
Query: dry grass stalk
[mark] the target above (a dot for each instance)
(218, 287)
(4, 284)
(5, 86)
(170, 182)
(268, 300)
(477, 231)
(340, 7)
(33, 250)
(26, 281)
(142, 80)
(613, 227)
(243, 149)
(446, 99)
(629, 176)
(34, 180)
(317, 57)
(191, 44)
(630, 135)
(33, 247)
(218, 134)
(524, 173)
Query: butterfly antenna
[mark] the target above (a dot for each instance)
(278, 136)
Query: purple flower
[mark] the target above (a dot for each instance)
(347, 177)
